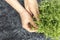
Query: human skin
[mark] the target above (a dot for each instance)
(32, 7)
(25, 16)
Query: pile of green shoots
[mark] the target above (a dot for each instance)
(49, 16)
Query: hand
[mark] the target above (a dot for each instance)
(25, 17)
(32, 7)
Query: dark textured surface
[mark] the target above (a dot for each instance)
(10, 25)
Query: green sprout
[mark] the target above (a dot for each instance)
(49, 23)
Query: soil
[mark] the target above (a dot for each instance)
(10, 25)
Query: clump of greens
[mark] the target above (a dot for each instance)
(49, 23)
